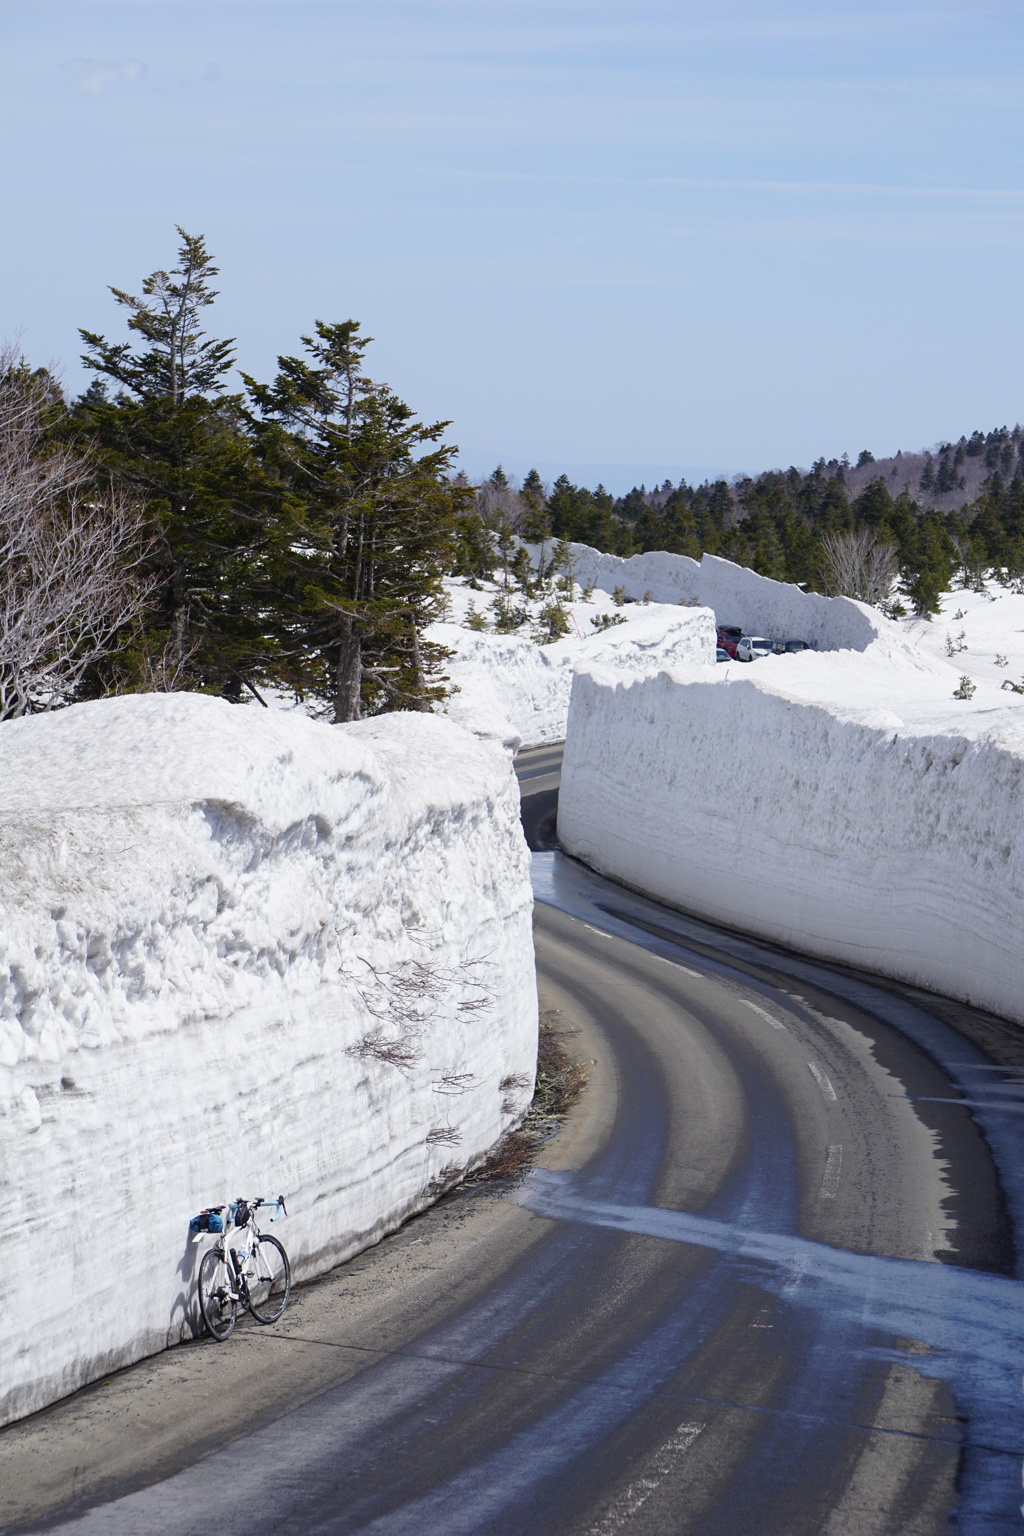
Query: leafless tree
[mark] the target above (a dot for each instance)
(858, 565)
(69, 557)
(166, 673)
(502, 505)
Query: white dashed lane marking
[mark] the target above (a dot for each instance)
(822, 1081)
(604, 934)
(756, 1008)
(830, 1178)
(619, 1515)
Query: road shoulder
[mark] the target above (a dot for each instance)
(146, 1422)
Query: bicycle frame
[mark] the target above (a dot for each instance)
(233, 1252)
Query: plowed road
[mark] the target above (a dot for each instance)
(763, 1285)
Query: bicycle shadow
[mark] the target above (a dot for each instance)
(186, 1320)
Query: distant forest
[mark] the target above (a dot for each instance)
(953, 516)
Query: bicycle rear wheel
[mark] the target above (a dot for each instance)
(269, 1278)
(216, 1302)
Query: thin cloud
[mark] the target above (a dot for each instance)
(722, 183)
(94, 76)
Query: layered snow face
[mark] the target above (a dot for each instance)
(241, 953)
(737, 595)
(518, 691)
(847, 805)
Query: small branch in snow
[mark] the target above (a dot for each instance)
(514, 1080)
(398, 1052)
(454, 1082)
(443, 1136)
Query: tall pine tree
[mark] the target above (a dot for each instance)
(173, 434)
(373, 526)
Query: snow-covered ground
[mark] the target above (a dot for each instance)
(517, 690)
(841, 801)
(984, 631)
(241, 952)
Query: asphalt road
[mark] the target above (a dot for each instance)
(763, 1284)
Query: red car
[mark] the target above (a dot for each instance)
(729, 636)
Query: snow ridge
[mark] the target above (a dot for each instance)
(737, 595)
(241, 952)
(843, 804)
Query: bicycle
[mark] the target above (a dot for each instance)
(252, 1268)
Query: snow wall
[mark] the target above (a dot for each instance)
(842, 831)
(737, 595)
(217, 924)
(518, 691)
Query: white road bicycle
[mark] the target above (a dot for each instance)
(244, 1265)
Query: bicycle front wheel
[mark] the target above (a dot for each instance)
(269, 1277)
(216, 1301)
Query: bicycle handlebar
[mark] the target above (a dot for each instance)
(251, 1205)
(254, 1204)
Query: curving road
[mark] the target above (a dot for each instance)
(764, 1285)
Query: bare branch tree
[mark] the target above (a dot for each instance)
(69, 558)
(168, 673)
(502, 505)
(859, 565)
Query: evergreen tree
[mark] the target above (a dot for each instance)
(175, 437)
(928, 561)
(475, 555)
(537, 519)
(372, 528)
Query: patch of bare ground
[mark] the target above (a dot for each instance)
(561, 1079)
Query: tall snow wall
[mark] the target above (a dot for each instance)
(846, 832)
(519, 690)
(241, 953)
(737, 595)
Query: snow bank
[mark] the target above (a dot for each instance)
(759, 605)
(216, 926)
(846, 805)
(517, 690)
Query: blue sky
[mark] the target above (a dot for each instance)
(659, 236)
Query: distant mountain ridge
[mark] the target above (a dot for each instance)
(949, 478)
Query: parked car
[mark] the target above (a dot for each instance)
(728, 637)
(790, 647)
(721, 654)
(753, 647)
